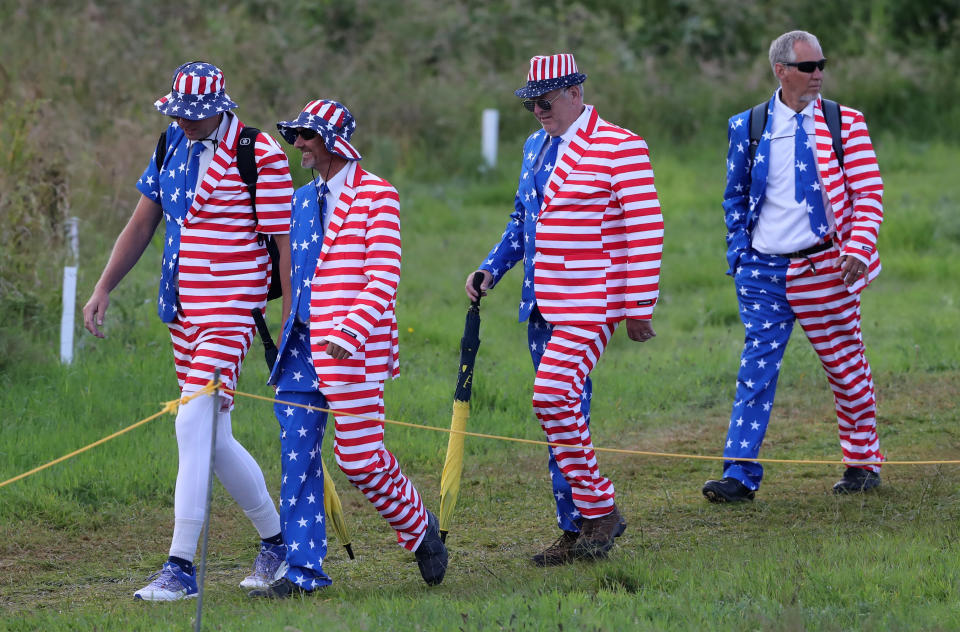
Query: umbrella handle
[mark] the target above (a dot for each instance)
(477, 282)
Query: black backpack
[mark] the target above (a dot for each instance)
(831, 112)
(247, 165)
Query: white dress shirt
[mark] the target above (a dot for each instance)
(783, 224)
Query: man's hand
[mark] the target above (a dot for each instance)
(334, 350)
(94, 311)
(640, 330)
(487, 282)
(851, 269)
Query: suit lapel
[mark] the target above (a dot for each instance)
(761, 163)
(571, 157)
(226, 151)
(339, 214)
(825, 157)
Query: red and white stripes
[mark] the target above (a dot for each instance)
(361, 454)
(570, 356)
(551, 67)
(197, 352)
(829, 314)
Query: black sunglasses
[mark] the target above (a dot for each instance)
(543, 103)
(305, 134)
(806, 66)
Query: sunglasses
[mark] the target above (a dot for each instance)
(806, 66)
(544, 104)
(305, 134)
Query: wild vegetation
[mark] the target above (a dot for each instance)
(77, 125)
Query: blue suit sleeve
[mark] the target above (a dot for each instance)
(503, 255)
(736, 194)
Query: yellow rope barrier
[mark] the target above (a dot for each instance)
(168, 407)
(173, 405)
(595, 448)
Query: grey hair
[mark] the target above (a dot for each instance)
(781, 49)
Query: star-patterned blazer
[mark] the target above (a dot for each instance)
(213, 264)
(855, 191)
(293, 371)
(597, 235)
(353, 291)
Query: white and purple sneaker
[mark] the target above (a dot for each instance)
(170, 583)
(265, 567)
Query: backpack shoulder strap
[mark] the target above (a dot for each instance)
(161, 151)
(247, 163)
(758, 121)
(831, 112)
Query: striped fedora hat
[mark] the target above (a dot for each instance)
(197, 93)
(331, 120)
(549, 72)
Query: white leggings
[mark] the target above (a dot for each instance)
(233, 465)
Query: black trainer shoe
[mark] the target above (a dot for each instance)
(283, 588)
(432, 553)
(855, 480)
(727, 490)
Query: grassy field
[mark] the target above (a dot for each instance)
(76, 540)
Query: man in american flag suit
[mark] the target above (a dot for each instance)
(339, 346)
(587, 225)
(214, 270)
(801, 245)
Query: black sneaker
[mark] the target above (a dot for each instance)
(855, 480)
(727, 490)
(283, 588)
(432, 553)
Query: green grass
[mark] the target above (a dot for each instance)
(77, 539)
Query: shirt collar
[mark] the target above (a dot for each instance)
(783, 109)
(581, 121)
(213, 141)
(339, 179)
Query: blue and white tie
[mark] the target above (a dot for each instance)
(806, 182)
(546, 168)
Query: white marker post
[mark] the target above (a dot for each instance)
(69, 294)
(491, 122)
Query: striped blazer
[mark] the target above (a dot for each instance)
(220, 270)
(855, 191)
(353, 293)
(599, 234)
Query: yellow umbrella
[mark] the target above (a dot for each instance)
(333, 509)
(453, 464)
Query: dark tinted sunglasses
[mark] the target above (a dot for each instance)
(305, 134)
(543, 103)
(806, 66)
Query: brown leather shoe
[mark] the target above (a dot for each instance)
(560, 552)
(597, 535)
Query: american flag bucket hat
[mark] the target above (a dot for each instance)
(331, 120)
(549, 72)
(197, 93)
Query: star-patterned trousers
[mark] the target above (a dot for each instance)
(772, 292)
(571, 354)
(538, 335)
(370, 467)
(302, 520)
(198, 351)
